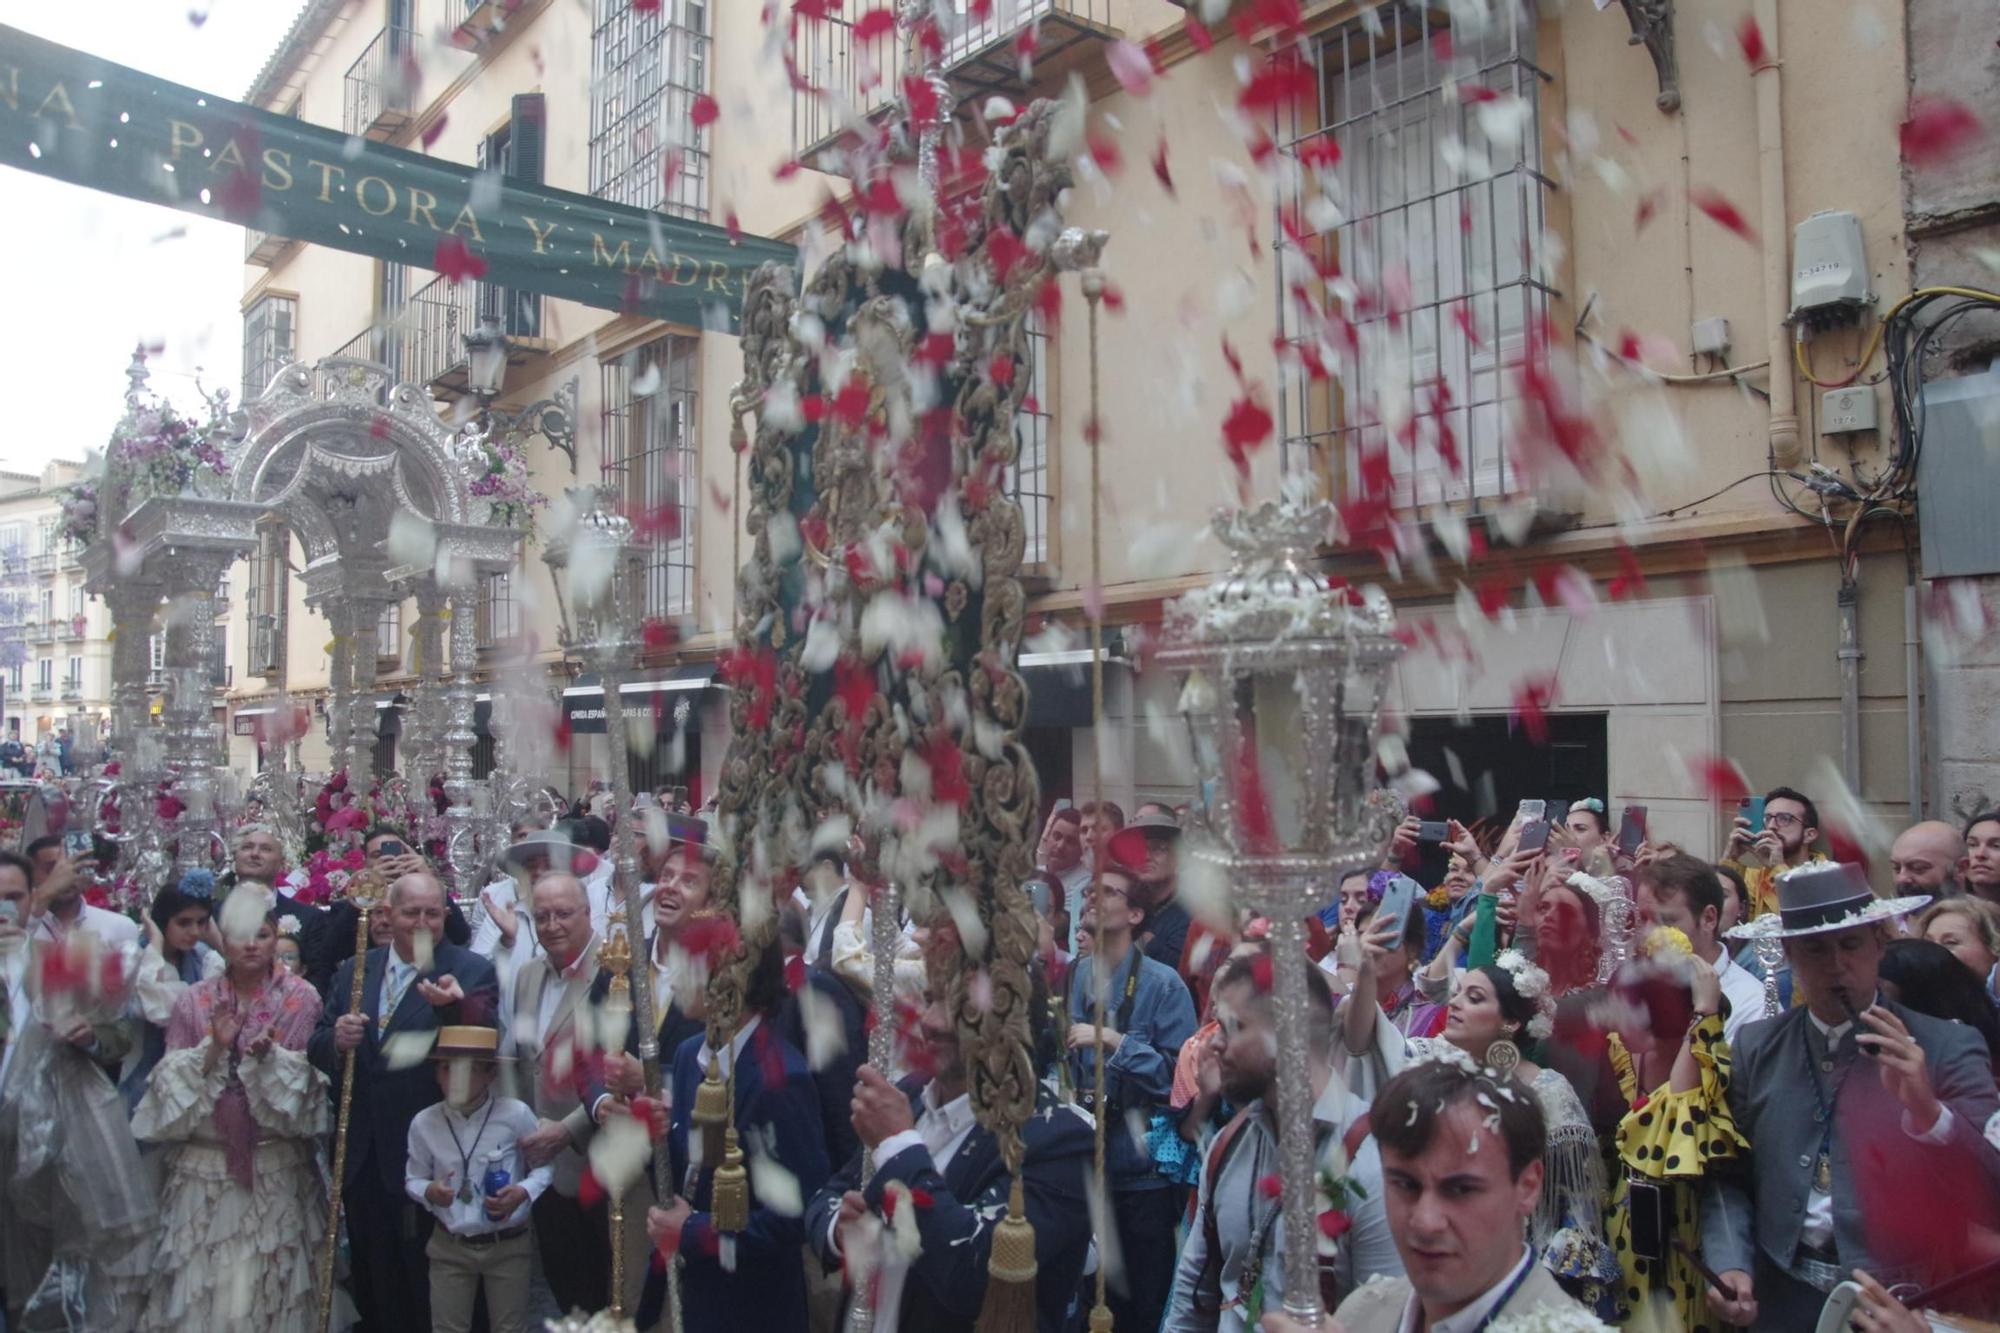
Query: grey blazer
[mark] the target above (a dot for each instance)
(1772, 1099)
(553, 1092)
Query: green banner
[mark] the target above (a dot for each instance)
(87, 121)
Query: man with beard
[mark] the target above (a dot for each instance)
(1928, 858)
(1791, 827)
(1236, 1241)
(925, 1140)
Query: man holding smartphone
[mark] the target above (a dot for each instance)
(1783, 842)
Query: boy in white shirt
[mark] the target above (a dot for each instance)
(467, 1168)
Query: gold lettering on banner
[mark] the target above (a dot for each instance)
(423, 201)
(540, 233)
(60, 94)
(10, 91)
(279, 161)
(327, 171)
(601, 257)
(675, 276)
(181, 135)
(231, 156)
(653, 261)
(718, 277)
(466, 218)
(361, 196)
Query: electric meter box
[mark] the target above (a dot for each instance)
(1829, 269)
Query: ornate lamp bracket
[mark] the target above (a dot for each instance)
(1653, 28)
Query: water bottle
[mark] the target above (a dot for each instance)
(497, 1177)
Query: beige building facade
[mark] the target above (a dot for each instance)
(55, 658)
(1506, 174)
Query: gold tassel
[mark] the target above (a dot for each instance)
(729, 1204)
(1009, 1306)
(711, 1114)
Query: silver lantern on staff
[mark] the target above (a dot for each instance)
(1284, 679)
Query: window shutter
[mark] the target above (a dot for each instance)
(525, 135)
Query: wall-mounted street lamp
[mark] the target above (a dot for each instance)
(554, 419)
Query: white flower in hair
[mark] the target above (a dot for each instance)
(288, 925)
(1530, 982)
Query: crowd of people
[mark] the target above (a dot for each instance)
(1586, 1077)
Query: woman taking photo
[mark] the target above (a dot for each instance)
(241, 1211)
(1495, 1012)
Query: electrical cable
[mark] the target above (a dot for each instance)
(1689, 504)
(1875, 338)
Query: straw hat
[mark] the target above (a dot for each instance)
(465, 1042)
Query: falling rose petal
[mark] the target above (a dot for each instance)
(734, 225)
(1717, 777)
(1285, 81)
(1530, 708)
(1247, 428)
(703, 111)
(456, 262)
(1750, 38)
(776, 1188)
(1649, 204)
(432, 131)
(875, 23)
(1131, 66)
(1723, 212)
(1271, 1185)
(407, 1050)
(1938, 128)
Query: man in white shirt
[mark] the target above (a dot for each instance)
(1061, 855)
(1461, 1175)
(58, 906)
(1682, 892)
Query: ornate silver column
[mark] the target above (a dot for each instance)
(340, 687)
(462, 844)
(424, 726)
(135, 604)
(191, 734)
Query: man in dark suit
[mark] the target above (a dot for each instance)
(924, 1138)
(1854, 1107)
(410, 988)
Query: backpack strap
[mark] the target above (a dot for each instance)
(1208, 1285)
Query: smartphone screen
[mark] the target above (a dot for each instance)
(1534, 836)
(391, 848)
(1532, 808)
(1649, 1220)
(1631, 829)
(1557, 814)
(1432, 830)
(76, 843)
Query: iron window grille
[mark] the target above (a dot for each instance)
(265, 597)
(646, 69)
(389, 634)
(1437, 219)
(269, 342)
(1028, 474)
(650, 454)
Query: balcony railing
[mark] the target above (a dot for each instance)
(425, 344)
(41, 693)
(72, 555)
(263, 247)
(379, 85)
(43, 563)
(42, 631)
(72, 687)
(855, 77)
(73, 628)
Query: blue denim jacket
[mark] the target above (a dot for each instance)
(1139, 1076)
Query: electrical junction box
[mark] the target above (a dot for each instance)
(1829, 270)
(1846, 411)
(1711, 336)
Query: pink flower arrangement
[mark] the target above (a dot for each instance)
(328, 874)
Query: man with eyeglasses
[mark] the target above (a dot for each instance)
(552, 1029)
(1785, 842)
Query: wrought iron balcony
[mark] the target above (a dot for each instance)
(43, 631)
(40, 692)
(72, 687)
(73, 628)
(72, 555)
(43, 563)
(425, 344)
(857, 78)
(379, 85)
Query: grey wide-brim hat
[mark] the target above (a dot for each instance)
(1828, 895)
